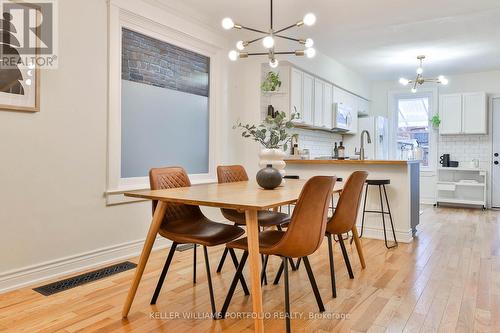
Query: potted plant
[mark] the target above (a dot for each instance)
(435, 121)
(273, 133)
(272, 82)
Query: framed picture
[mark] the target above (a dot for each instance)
(19, 74)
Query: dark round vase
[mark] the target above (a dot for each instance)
(269, 177)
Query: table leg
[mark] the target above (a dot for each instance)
(255, 266)
(359, 247)
(146, 251)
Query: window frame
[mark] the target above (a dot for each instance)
(393, 98)
(119, 18)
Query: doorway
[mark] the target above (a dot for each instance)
(495, 169)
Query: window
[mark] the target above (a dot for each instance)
(413, 126)
(164, 106)
(165, 88)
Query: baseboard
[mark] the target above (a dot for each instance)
(427, 201)
(375, 233)
(35, 274)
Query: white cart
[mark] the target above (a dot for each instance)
(461, 186)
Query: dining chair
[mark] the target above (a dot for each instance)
(344, 219)
(266, 218)
(302, 238)
(186, 224)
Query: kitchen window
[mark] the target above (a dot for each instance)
(412, 129)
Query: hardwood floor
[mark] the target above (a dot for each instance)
(447, 280)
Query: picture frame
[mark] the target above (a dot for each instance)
(19, 85)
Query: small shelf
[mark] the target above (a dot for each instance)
(462, 183)
(460, 169)
(461, 201)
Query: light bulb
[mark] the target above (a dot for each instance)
(443, 80)
(273, 63)
(309, 42)
(268, 42)
(240, 45)
(420, 70)
(233, 55)
(413, 90)
(227, 23)
(404, 81)
(28, 82)
(310, 52)
(309, 19)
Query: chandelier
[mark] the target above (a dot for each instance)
(268, 39)
(420, 78)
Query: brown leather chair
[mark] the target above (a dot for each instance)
(185, 224)
(302, 238)
(344, 218)
(266, 218)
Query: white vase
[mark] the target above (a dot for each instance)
(275, 157)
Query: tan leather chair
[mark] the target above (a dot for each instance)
(302, 238)
(344, 219)
(185, 224)
(266, 218)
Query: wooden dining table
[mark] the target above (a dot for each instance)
(245, 196)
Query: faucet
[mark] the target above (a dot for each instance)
(361, 151)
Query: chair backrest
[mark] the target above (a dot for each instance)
(346, 213)
(231, 173)
(307, 226)
(172, 177)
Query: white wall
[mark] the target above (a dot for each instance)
(53, 163)
(462, 147)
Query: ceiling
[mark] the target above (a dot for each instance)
(379, 38)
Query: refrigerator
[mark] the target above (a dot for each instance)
(378, 127)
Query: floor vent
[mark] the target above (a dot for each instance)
(56, 287)
(184, 247)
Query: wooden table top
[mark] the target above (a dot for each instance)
(238, 195)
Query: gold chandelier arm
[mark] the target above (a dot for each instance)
(289, 38)
(298, 24)
(252, 29)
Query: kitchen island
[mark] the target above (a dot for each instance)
(403, 192)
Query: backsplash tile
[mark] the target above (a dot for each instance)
(465, 148)
(319, 143)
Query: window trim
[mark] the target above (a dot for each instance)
(393, 97)
(120, 16)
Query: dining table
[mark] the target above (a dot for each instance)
(245, 196)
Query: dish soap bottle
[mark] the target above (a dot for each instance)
(341, 151)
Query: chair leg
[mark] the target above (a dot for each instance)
(332, 269)
(297, 265)
(292, 265)
(242, 279)
(287, 296)
(390, 218)
(209, 278)
(164, 273)
(346, 257)
(364, 208)
(314, 286)
(263, 277)
(236, 278)
(194, 263)
(278, 274)
(222, 259)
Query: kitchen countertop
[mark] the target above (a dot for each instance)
(324, 161)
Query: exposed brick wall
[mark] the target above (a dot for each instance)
(151, 61)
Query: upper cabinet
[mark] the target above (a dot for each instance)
(328, 105)
(307, 99)
(319, 87)
(296, 89)
(463, 113)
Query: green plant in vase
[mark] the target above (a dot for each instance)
(435, 121)
(272, 82)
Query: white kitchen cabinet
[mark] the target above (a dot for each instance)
(474, 113)
(296, 88)
(363, 107)
(307, 99)
(450, 110)
(328, 105)
(463, 113)
(318, 102)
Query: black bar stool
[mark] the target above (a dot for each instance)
(381, 185)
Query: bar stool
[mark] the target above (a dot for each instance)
(381, 185)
